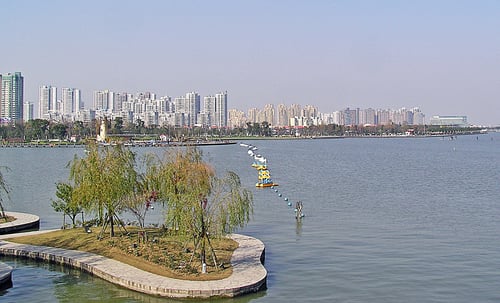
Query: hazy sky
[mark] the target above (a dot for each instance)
(441, 56)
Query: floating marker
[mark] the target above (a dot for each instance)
(286, 199)
(279, 195)
(289, 203)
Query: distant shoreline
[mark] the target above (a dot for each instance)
(232, 140)
(75, 145)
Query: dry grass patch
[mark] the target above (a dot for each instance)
(157, 253)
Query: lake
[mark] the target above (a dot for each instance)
(386, 220)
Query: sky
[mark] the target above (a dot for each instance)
(441, 56)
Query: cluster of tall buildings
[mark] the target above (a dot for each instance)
(296, 116)
(67, 107)
(189, 110)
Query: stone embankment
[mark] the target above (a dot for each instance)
(249, 274)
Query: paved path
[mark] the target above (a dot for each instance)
(249, 275)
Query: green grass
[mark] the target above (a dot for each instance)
(160, 254)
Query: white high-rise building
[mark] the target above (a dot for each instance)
(28, 111)
(47, 101)
(69, 100)
(102, 100)
(221, 109)
(192, 107)
(209, 110)
(77, 94)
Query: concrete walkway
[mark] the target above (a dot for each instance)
(249, 275)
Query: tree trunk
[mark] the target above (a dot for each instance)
(112, 225)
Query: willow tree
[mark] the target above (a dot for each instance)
(65, 204)
(201, 205)
(102, 181)
(4, 191)
(145, 194)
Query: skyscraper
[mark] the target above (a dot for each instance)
(68, 101)
(11, 99)
(209, 110)
(221, 109)
(47, 101)
(28, 111)
(103, 100)
(192, 107)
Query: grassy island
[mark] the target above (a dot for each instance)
(151, 250)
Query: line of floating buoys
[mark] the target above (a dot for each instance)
(264, 178)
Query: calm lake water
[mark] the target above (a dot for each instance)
(387, 220)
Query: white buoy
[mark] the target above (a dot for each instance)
(289, 203)
(286, 199)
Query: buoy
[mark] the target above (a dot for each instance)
(286, 199)
(276, 190)
(289, 203)
(303, 215)
(279, 195)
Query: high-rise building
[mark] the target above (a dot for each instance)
(192, 107)
(28, 111)
(47, 101)
(103, 100)
(236, 118)
(283, 117)
(221, 109)
(209, 110)
(78, 100)
(70, 100)
(11, 99)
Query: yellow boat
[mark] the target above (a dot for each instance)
(265, 184)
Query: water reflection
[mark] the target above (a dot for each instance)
(58, 283)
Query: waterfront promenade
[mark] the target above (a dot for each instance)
(249, 275)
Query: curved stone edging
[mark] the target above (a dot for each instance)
(23, 222)
(5, 276)
(249, 275)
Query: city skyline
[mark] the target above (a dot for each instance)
(189, 110)
(442, 56)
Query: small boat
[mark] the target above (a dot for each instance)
(262, 184)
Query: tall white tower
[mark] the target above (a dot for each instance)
(221, 109)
